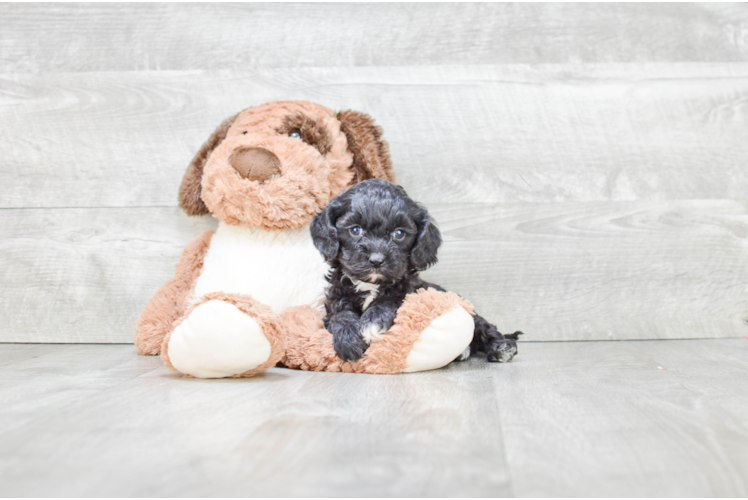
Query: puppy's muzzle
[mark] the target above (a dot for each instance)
(255, 164)
(376, 260)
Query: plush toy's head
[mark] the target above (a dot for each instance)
(276, 165)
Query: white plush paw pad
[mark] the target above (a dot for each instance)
(442, 341)
(218, 340)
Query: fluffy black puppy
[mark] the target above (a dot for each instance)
(376, 239)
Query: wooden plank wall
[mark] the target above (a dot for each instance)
(586, 162)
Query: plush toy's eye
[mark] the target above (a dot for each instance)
(355, 231)
(398, 234)
(295, 134)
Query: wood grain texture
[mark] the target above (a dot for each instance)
(458, 134)
(83, 275)
(588, 161)
(626, 419)
(127, 37)
(604, 270)
(562, 419)
(102, 421)
(557, 271)
(16, 353)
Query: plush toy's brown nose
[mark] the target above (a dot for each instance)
(255, 164)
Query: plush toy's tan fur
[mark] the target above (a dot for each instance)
(170, 301)
(254, 171)
(353, 151)
(191, 188)
(371, 154)
(271, 325)
(309, 345)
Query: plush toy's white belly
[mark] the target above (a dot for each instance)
(278, 268)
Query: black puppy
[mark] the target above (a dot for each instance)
(376, 240)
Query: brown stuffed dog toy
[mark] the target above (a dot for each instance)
(250, 294)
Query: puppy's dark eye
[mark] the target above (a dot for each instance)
(355, 231)
(295, 134)
(398, 234)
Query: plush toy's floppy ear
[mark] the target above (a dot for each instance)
(423, 253)
(189, 191)
(371, 154)
(324, 233)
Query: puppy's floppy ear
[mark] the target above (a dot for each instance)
(371, 154)
(190, 190)
(423, 253)
(324, 232)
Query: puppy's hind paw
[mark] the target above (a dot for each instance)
(502, 352)
(464, 356)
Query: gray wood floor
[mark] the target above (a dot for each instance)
(631, 418)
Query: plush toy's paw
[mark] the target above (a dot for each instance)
(442, 341)
(502, 351)
(217, 339)
(431, 329)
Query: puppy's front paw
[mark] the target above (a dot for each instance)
(351, 348)
(375, 321)
(348, 343)
(502, 351)
(372, 331)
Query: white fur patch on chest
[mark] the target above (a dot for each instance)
(279, 268)
(372, 289)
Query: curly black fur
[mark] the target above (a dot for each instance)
(376, 238)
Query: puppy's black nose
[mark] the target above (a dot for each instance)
(376, 259)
